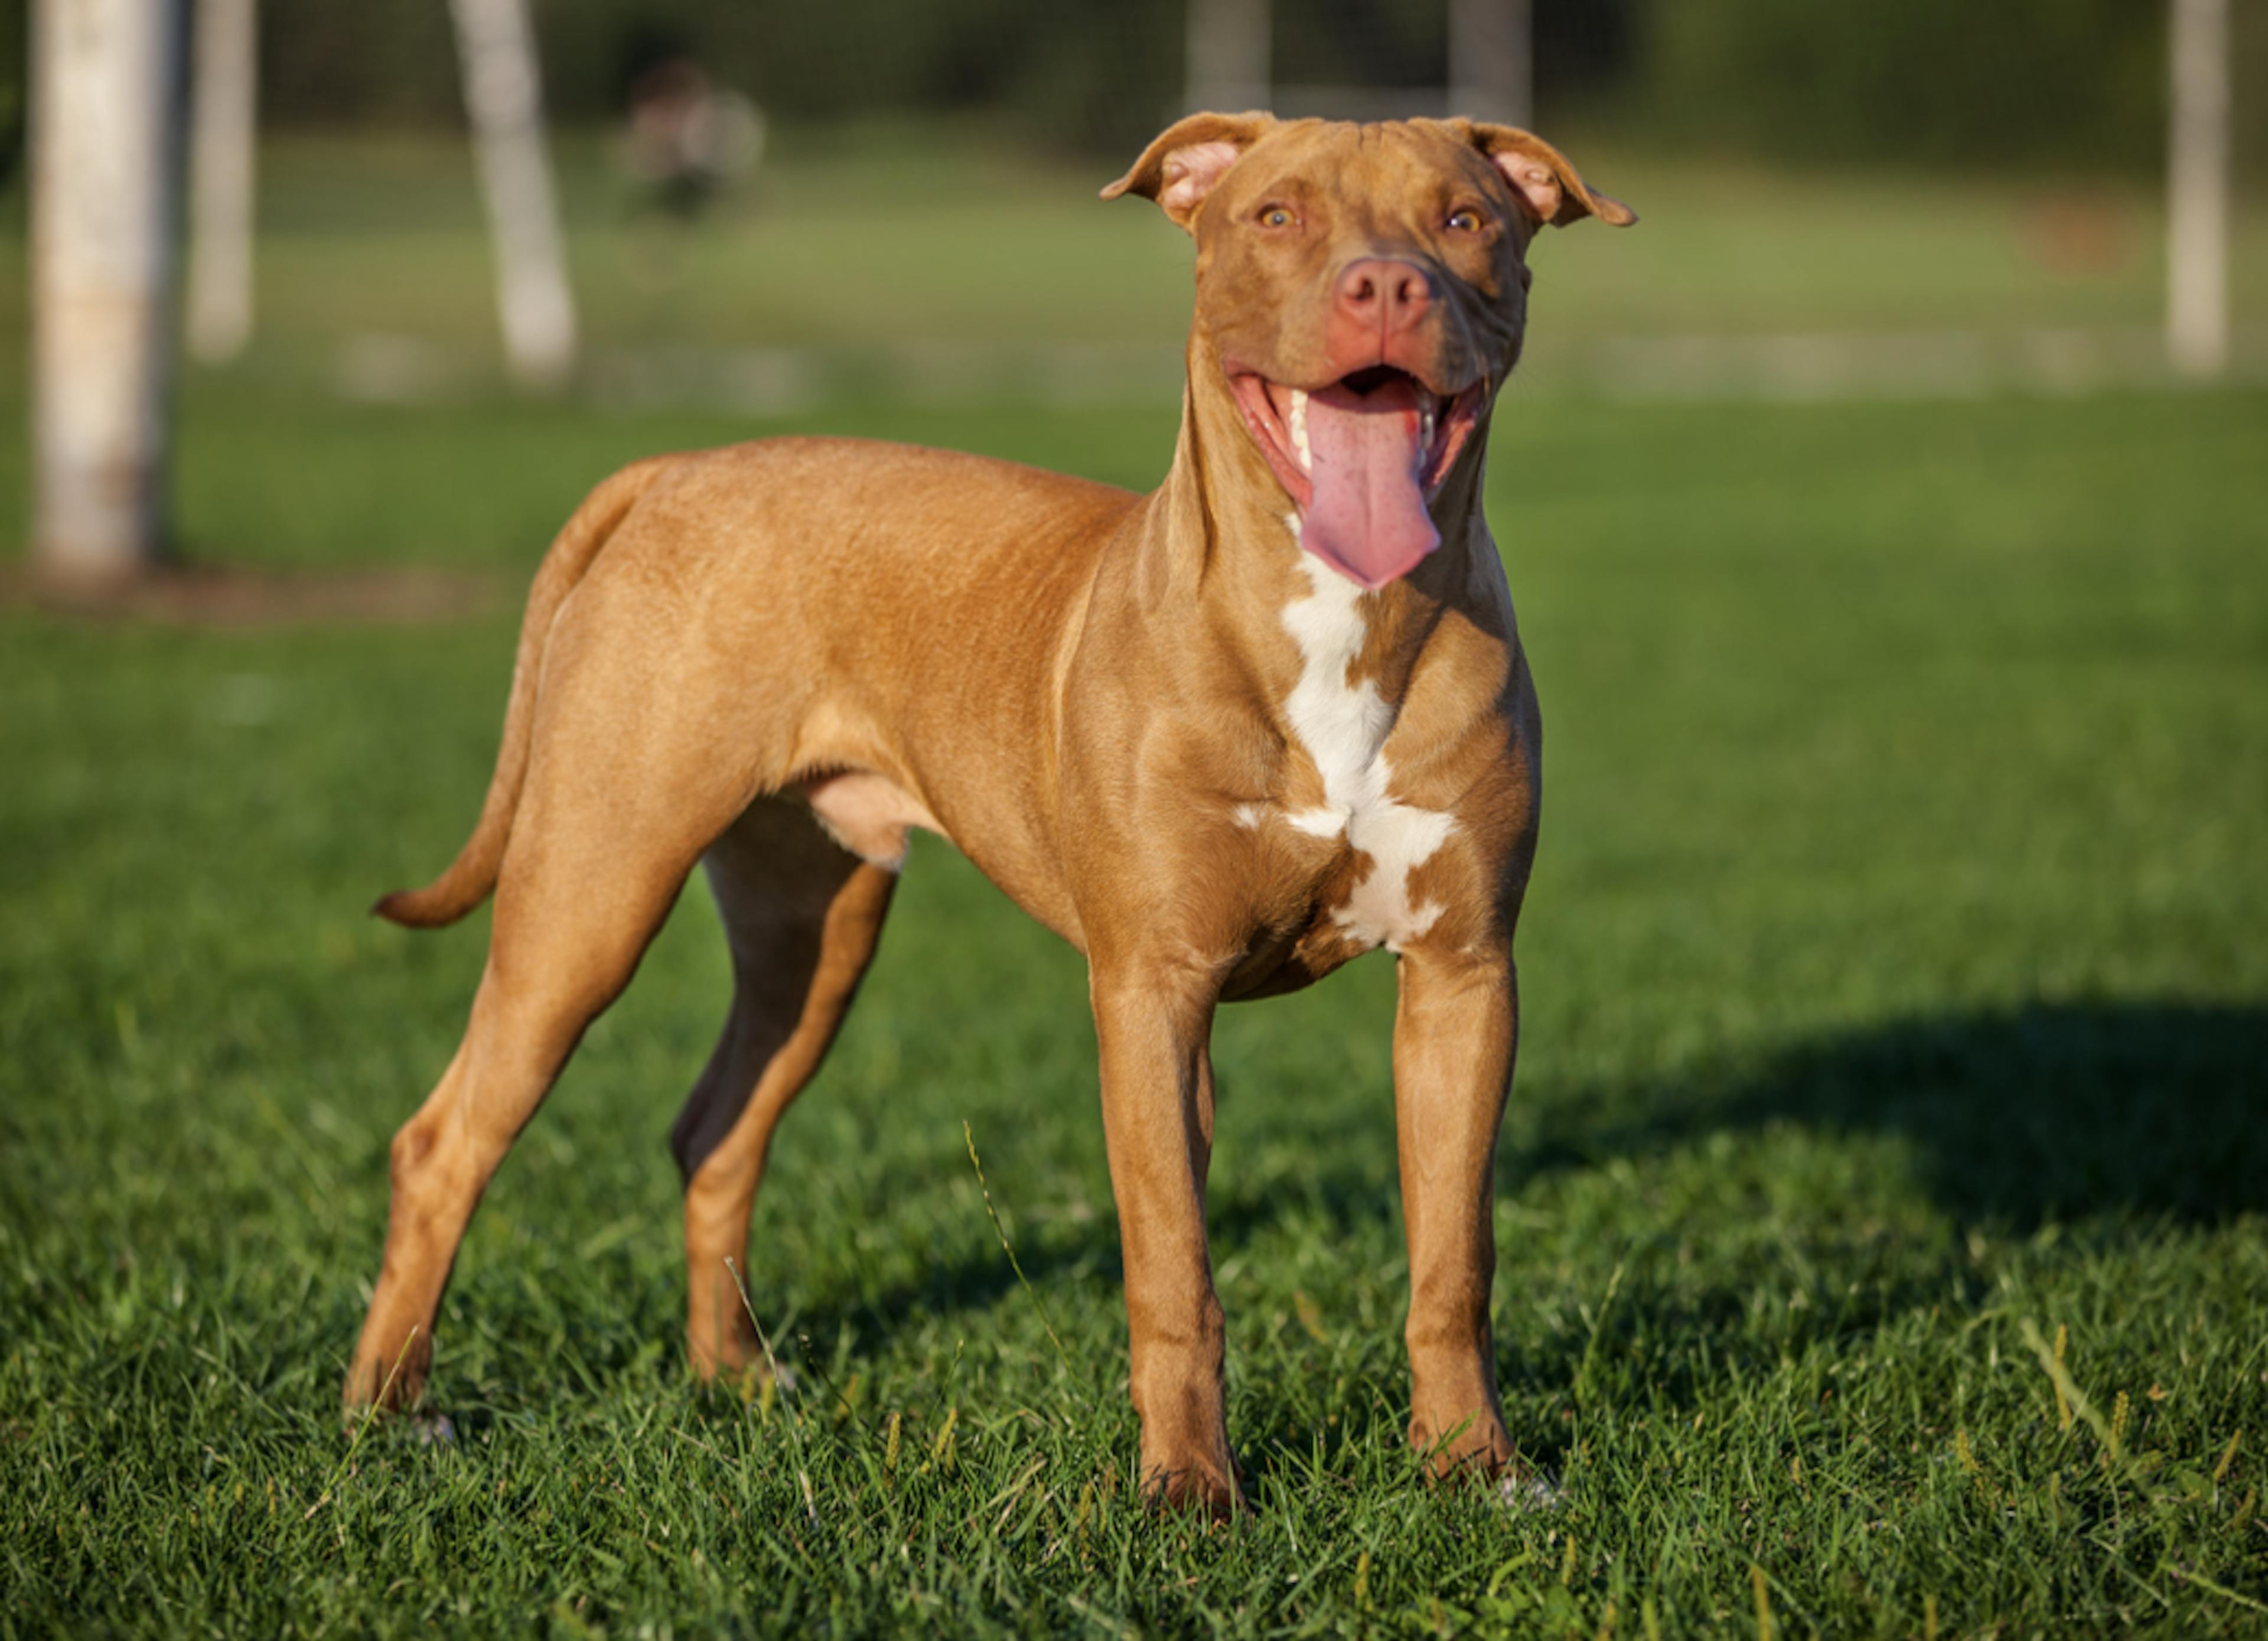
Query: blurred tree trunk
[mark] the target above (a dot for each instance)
(2197, 214)
(1492, 61)
(1227, 69)
(102, 222)
(504, 96)
(224, 98)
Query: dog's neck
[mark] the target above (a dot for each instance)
(1220, 535)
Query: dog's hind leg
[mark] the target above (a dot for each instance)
(802, 916)
(615, 811)
(536, 997)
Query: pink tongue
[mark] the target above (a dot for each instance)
(1367, 518)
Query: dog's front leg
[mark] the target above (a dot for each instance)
(1152, 1029)
(1455, 1031)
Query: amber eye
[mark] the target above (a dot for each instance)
(1465, 219)
(1276, 216)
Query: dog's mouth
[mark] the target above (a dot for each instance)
(1361, 459)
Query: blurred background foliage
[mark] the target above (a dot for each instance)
(2056, 85)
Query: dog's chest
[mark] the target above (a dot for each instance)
(1340, 724)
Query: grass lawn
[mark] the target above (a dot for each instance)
(1896, 997)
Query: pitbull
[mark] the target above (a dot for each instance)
(1221, 738)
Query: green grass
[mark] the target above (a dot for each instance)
(1894, 983)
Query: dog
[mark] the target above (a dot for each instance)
(1221, 738)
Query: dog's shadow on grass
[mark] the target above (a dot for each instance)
(2016, 1119)
(2046, 1112)
(2141, 1112)
(2146, 1114)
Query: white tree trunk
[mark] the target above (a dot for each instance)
(102, 222)
(1492, 61)
(1226, 70)
(2197, 214)
(224, 98)
(504, 95)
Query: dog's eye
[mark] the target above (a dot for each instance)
(1465, 219)
(1276, 216)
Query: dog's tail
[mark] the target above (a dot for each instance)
(472, 874)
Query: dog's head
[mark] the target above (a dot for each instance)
(1365, 288)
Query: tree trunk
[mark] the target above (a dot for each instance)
(102, 223)
(223, 100)
(2197, 215)
(1491, 66)
(1227, 70)
(504, 95)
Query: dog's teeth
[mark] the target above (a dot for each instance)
(1300, 429)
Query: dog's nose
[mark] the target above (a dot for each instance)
(1378, 292)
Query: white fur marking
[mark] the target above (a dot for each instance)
(1249, 816)
(1343, 728)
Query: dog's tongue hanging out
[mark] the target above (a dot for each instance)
(1367, 517)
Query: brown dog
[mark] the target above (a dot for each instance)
(1222, 739)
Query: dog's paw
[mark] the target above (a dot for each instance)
(1205, 1491)
(432, 1430)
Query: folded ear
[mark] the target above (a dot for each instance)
(1186, 159)
(1544, 178)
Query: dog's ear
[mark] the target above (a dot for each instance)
(1186, 159)
(1543, 179)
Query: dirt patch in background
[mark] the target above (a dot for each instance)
(218, 596)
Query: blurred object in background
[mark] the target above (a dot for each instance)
(15, 41)
(1492, 61)
(1403, 60)
(2064, 84)
(104, 116)
(224, 102)
(2196, 187)
(504, 95)
(1229, 60)
(688, 139)
(2081, 233)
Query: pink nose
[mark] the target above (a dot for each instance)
(1383, 295)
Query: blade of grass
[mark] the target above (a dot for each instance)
(1014, 1264)
(794, 1415)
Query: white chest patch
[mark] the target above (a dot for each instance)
(1343, 728)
